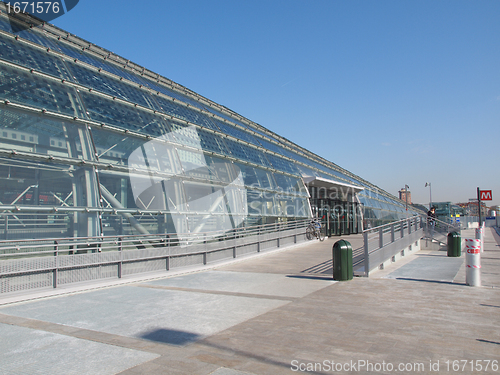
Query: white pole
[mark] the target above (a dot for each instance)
(473, 262)
(479, 236)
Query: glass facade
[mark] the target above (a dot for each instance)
(92, 144)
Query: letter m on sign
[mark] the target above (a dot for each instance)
(485, 195)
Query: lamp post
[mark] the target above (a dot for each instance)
(430, 194)
(406, 197)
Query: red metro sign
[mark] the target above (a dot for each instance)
(485, 195)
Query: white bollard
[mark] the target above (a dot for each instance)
(479, 236)
(473, 262)
(483, 228)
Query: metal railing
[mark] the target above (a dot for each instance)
(438, 230)
(30, 264)
(384, 242)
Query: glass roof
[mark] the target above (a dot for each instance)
(41, 91)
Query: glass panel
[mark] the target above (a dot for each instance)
(220, 114)
(185, 113)
(249, 175)
(36, 91)
(5, 24)
(282, 164)
(265, 179)
(243, 152)
(273, 147)
(22, 54)
(123, 116)
(184, 135)
(235, 132)
(285, 183)
(172, 93)
(293, 207)
(111, 86)
(26, 33)
(301, 159)
(96, 62)
(256, 177)
(212, 142)
(213, 201)
(28, 133)
(306, 172)
(213, 207)
(225, 171)
(137, 190)
(261, 203)
(261, 132)
(24, 183)
(113, 148)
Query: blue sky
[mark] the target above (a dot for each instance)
(398, 92)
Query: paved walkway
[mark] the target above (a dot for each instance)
(273, 314)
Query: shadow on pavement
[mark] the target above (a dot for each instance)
(311, 277)
(170, 336)
(429, 281)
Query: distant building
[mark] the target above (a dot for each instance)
(403, 194)
(472, 208)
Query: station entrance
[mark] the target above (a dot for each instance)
(335, 204)
(338, 217)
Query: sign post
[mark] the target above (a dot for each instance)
(484, 195)
(479, 205)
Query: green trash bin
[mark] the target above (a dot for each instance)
(454, 244)
(342, 261)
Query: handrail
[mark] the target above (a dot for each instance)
(66, 260)
(408, 230)
(169, 238)
(391, 223)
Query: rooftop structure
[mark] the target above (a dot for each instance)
(92, 144)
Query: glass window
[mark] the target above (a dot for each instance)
(229, 118)
(282, 164)
(25, 32)
(185, 113)
(30, 57)
(204, 167)
(46, 136)
(138, 154)
(278, 149)
(107, 111)
(226, 171)
(172, 93)
(94, 61)
(25, 183)
(185, 135)
(26, 88)
(244, 152)
(39, 184)
(261, 203)
(235, 132)
(212, 142)
(111, 86)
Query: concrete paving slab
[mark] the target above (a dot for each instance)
(31, 351)
(167, 316)
(228, 371)
(246, 282)
(430, 266)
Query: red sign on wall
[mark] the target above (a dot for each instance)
(485, 195)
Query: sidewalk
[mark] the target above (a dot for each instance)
(274, 314)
